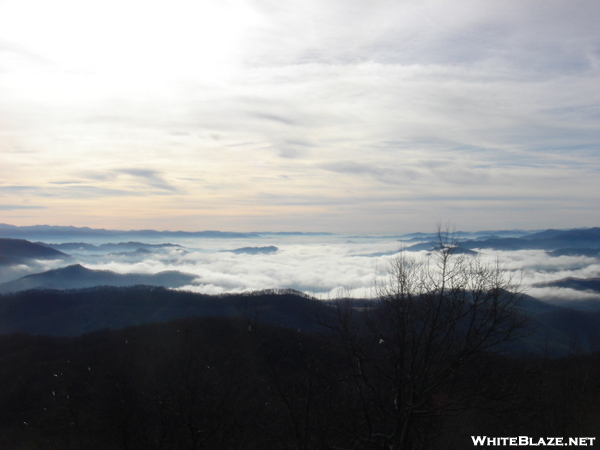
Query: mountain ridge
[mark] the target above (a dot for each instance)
(17, 251)
(551, 329)
(548, 240)
(77, 276)
(42, 232)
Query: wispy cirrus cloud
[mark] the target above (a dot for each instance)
(148, 178)
(152, 178)
(388, 175)
(19, 207)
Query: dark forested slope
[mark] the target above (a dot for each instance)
(234, 384)
(551, 329)
(73, 312)
(17, 251)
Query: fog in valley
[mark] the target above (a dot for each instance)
(326, 266)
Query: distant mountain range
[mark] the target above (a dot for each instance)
(49, 232)
(591, 252)
(76, 277)
(254, 250)
(558, 326)
(110, 247)
(579, 284)
(61, 232)
(588, 238)
(549, 240)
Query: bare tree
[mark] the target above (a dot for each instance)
(412, 352)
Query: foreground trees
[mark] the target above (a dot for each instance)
(414, 353)
(214, 384)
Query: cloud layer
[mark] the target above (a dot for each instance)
(322, 266)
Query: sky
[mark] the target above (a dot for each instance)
(345, 116)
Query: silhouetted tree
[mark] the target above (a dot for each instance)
(413, 353)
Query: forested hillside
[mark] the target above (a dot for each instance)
(222, 383)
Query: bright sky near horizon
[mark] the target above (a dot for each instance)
(340, 115)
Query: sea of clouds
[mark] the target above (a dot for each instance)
(325, 266)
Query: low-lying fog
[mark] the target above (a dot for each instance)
(325, 266)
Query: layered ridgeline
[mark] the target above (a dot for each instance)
(50, 232)
(550, 329)
(20, 251)
(76, 277)
(14, 252)
(73, 299)
(74, 312)
(585, 242)
(580, 284)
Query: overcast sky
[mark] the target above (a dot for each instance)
(339, 115)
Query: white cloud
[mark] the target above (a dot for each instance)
(562, 295)
(322, 265)
(536, 266)
(318, 265)
(417, 105)
(16, 271)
